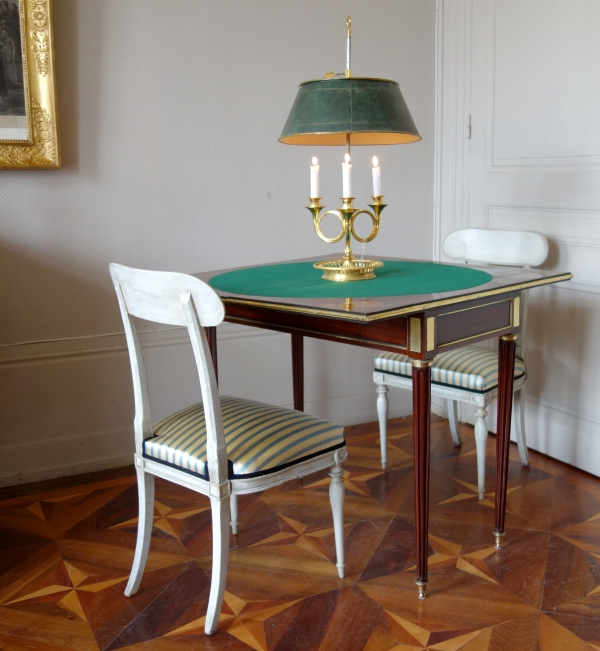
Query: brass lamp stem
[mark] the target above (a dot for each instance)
(348, 39)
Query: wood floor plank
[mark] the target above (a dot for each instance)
(66, 551)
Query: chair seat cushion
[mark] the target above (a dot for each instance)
(261, 438)
(471, 368)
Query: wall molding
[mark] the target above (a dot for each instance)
(57, 350)
(25, 461)
(63, 456)
(453, 96)
(531, 164)
(564, 227)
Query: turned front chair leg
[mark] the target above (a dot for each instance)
(481, 433)
(421, 377)
(233, 507)
(336, 497)
(519, 412)
(506, 368)
(382, 413)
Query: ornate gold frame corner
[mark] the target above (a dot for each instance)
(42, 150)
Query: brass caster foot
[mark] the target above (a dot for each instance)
(498, 536)
(422, 588)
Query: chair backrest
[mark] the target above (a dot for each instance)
(180, 300)
(511, 248)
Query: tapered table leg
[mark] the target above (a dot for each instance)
(421, 377)
(211, 337)
(506, 373)
(298, 370)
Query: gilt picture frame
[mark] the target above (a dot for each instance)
(28, 108)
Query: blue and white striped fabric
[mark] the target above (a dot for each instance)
(261, 438)
(471, 368)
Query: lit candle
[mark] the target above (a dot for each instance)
(346, 174)
(314, 178)
(376, 178)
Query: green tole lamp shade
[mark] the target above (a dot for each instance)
(370, 111)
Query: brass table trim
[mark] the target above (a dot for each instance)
(362, 318)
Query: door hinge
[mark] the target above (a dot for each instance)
(469, 128)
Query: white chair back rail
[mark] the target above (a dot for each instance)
(514, 248)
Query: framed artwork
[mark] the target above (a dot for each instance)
(28, 110)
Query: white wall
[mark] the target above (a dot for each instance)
(169, 115)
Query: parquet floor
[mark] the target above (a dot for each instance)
(65, 554)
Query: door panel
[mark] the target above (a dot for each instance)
(520, 78)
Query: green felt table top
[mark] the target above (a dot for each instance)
(395, 278)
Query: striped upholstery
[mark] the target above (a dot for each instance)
(472, 368)
(260, 438)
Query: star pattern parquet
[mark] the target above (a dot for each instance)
(65, 556)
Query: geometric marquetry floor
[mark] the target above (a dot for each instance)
(65, 555)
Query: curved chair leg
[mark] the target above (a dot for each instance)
(220, 532)
(336, 497)
(233, 506)
(453, 420)
(519, 417)
(481, 433)
(145, 522)
(382, 413)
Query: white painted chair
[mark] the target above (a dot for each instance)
(470, 374)
(222, 446)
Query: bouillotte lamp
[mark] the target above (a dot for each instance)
(346, 110)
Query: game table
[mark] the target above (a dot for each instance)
(412, 307)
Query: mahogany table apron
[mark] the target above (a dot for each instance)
(419, 327)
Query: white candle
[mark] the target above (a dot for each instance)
(376, 178)
(346, 177)
(314, 178)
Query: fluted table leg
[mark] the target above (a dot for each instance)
(298, 370)
(506, 370)
(421, 377)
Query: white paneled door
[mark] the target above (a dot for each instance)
(519, 141)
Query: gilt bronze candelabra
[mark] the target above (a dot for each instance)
(348, 268)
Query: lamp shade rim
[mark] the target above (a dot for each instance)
(348, 79)
(371, 137)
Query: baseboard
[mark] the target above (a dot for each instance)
(568, 435)
(65, 456)
(46, 454)
(35, 449)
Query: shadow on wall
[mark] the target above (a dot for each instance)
(78, 34)
(41, 301)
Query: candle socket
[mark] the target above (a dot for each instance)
(347, 268)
